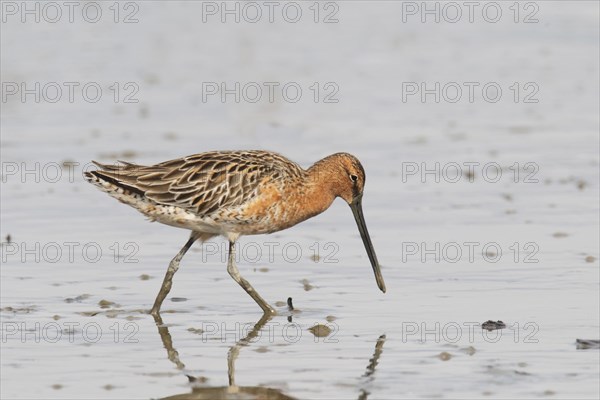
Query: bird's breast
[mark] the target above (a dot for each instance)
(277, 208)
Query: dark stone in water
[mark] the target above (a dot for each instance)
(584, 344)
(178, 299)
(77, 299)
(493, 325)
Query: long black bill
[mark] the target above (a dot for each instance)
(356, 207)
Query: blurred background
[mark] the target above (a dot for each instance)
(508, 91)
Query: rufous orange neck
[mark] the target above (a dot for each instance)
(322, 185)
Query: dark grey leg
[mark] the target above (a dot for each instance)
(168, 281)
(235, 274)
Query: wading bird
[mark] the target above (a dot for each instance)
(234, 193)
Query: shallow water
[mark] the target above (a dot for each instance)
(82, 270)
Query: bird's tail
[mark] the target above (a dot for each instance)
(117, 180)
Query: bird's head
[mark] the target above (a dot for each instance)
(348, 176)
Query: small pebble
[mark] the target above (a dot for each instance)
(197, 380)
(493, 325)
(178, 299)
(77, 299)
(88, 313)
(105, 303)
(444, 356)
(320, 330)
(307, 285)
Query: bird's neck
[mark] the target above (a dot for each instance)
(310, 196)
(320, 187)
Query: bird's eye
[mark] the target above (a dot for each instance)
(353, 177)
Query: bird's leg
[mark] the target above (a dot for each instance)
(235, 274)
(168, 281)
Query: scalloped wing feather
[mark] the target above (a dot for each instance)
(204, 183)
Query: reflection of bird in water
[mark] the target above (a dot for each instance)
(231, 393)
(234, 193)
(201, 391)
(368, 375)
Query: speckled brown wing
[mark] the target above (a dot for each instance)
(203, 183)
